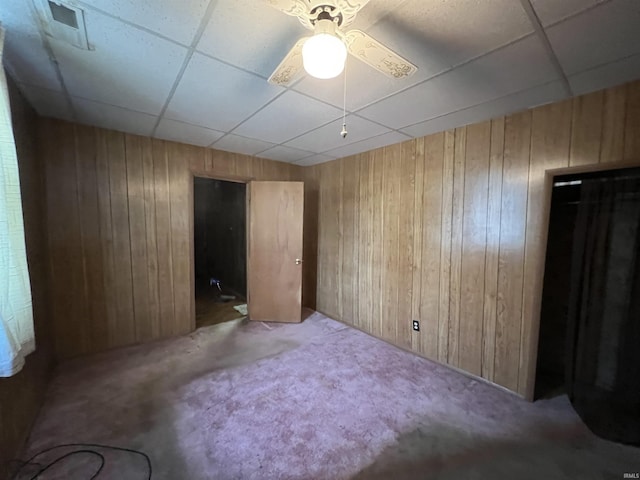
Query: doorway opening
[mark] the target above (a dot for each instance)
(588, 267)
(220, 252)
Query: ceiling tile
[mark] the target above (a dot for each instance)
(517, 67)
(115, 118)
(328, 137)
(250, 34)
(238, 144)
(218, 96)
(368, 144)
(606, 76)
(176, 20)
(314, 160)
(48, 103)
(373, 12)
(186, 133)
(24, 52)
(437, 35)
(127, 68)
(598, 36)
(132, 71)
(285, 154)
(552, 11)
(364, 86)
(550, 92)
(288, 116)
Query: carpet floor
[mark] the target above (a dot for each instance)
(317, 400)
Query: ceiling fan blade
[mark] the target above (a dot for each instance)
(376, 55)
(290, 66)
(349, 8)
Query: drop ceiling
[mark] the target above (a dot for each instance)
(196, 71)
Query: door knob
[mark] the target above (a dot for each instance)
(298, 261)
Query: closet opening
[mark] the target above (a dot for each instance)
(590, 312)
(220, 252)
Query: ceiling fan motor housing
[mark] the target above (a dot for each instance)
(326, 12)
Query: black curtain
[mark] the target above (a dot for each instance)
(603, 337)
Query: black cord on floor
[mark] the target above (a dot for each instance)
(82, 448)
(67, 455)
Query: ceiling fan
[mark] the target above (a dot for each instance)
(323, 55)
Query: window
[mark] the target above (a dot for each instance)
(16, 315)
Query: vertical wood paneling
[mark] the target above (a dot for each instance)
(120, 241)
(432, 244)
(550, 143)
(138, 237)
(91, 255)
(107, 269)
(66, 268)
(460, 145)
(494, 213)
(517, 140)
(349, 251)
(125, 330)
(474, 238)
(586, 131)
(378, 268)
(445, 246)
(181, 241)
(404, 278)
(390, 236)
(329, 238)
(614, 111)
(365, 248)
(416, 343)
(150, 222)
(163, 237)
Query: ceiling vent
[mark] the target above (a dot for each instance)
(63, 22)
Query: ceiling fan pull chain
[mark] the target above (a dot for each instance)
(344, 104)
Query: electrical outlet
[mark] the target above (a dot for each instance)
(416, 325)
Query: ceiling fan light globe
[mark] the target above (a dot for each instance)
(323, 56)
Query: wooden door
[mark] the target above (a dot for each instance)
(274, 251)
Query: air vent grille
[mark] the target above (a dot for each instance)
(64, 15)
(63, 21)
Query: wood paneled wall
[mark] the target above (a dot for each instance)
(450, 229)
(119, 224)
(22, 394)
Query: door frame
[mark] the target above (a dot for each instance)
(193, 174)
(543, 232)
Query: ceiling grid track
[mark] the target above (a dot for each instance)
(52, 58)
(192, 48)
(542, 35)
(87, 6)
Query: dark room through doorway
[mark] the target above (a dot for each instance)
(220, 252)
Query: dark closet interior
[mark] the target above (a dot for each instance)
(555, 294)
(590, 316)
(220, 249)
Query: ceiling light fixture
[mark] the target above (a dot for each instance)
(324, 54)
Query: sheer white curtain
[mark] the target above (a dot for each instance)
(16, 315)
